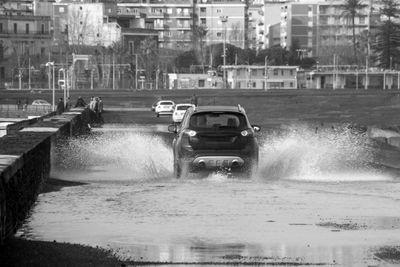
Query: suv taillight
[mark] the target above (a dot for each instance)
(247, 132)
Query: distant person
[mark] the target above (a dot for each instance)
(68, 104)
(26, 104)
(193, 100)
(92, 103)
(19, 104)
(60, 106)
(100, 110)
(80, 103)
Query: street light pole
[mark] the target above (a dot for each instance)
(266, 72)
(29, 74)
(136, 72)
(224, 19)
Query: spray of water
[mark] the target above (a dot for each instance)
(306, 153)
(143, 155)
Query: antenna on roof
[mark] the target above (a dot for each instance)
(240, 108)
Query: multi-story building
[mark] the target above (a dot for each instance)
(23, 40)
(224, 20)
(316, 25)
(172, 19)
(299, 27)
(256, 29)
(272, 16)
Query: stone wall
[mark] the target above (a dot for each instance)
(25, 160)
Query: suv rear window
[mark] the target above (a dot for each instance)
(217, 120)
(166, 103)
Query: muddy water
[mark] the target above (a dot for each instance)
(317, 199)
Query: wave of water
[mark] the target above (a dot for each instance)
(300, 152)
(305, 153)
(143, 155)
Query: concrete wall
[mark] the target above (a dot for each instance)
(25, 160)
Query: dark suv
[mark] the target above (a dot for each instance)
(215, 137)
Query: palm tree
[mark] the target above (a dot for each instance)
(352, 10)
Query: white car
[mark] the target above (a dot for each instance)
(164, 107)
(40, 102)
(179, 112)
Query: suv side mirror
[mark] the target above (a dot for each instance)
(256, 128)
(173, 128)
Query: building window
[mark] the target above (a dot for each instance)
(1, 27)
(219, 34)
(203, 21)
(42, 28)
(15, 28)
(219, 10)
(282, 72)
(362, 20)
(202, 83)
(254, 84)
(2, 73)
(202, 9)
(275, 72)
(282, 84)
(42, 51)
(291, 72)
(291, 84)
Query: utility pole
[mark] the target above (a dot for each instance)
(29, 73)
(224, 19)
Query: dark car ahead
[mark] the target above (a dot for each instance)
(215, 137)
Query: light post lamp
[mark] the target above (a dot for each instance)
(63, 86)
(224, 19)
(51, 65)
(266, 72)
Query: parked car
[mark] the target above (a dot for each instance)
(153, 106)
(212, 138)
(179, 111)
(40, 102)
(164, 107)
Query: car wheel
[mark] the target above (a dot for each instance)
(177, 171)
(251, 169)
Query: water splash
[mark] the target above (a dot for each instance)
(142, 155)
(306, 153)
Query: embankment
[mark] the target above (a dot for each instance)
(25, 160)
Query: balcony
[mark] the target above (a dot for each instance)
(30, 34)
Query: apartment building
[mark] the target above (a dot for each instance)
(299, 26)
(23, 36)
(272, 17)
(172, 19)
(256, 17)
(225, 21)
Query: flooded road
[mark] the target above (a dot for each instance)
(319, 198)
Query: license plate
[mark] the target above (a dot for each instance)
(218, 163)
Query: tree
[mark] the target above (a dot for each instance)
(149, 57)
(199, 33)
(388, 35)
(352, 9)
